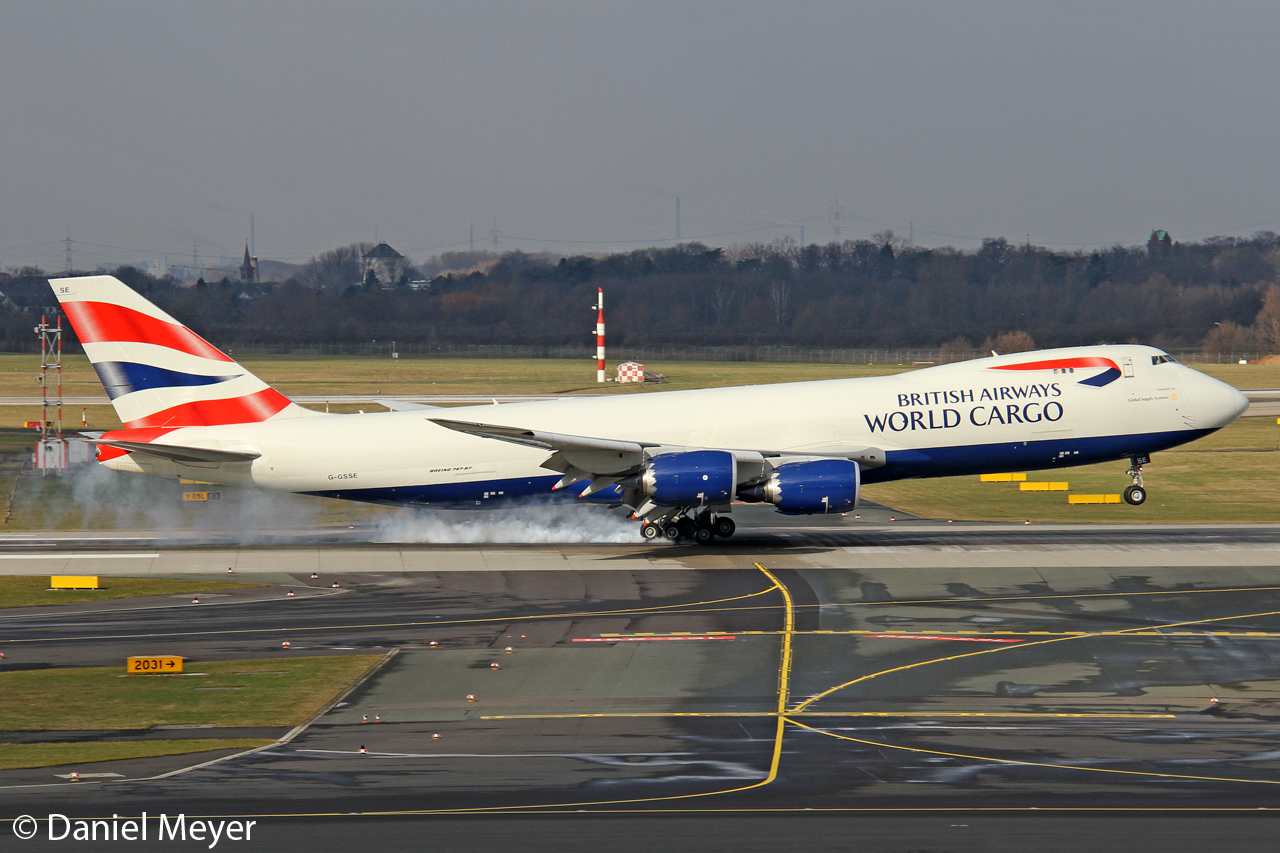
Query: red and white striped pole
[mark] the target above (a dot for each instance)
(600, 335)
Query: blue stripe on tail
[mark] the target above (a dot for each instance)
(125, 377)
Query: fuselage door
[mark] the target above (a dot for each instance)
(1127, 363)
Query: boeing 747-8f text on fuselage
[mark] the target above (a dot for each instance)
(677, 459)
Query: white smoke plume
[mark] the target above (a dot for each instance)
(94, 498)
(537, 523)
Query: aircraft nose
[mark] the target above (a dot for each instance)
(1216, 403)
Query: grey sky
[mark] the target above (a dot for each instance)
(153, 125)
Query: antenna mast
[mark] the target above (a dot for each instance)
(599, 334)
(51, 452)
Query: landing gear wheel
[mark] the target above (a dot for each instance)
(724, 526)
(671, 531)
(703, 535)
(1135, 495)
(687, 527)
(649, 530)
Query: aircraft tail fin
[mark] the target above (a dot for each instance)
(157, 372)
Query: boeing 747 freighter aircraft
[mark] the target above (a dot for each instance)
(678, 459)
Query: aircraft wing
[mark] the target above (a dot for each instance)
(577, 457)
(544, 440)
(606, 461)
(177, 453)
(405, 406)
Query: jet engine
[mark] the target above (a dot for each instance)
(691, 478)
(810, 488)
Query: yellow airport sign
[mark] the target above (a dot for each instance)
(202, 496)
(74, 582)
(1093, 499)
(153, 665)
(1042, 487)
(1002, 478)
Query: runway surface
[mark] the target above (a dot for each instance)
(909, 685)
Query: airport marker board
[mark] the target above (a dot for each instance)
(153, 665)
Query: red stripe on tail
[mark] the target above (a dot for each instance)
(103, 322)
(249, 409)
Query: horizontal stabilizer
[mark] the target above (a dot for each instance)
(177, 453)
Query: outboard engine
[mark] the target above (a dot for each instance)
(810, 488)
(689, 479)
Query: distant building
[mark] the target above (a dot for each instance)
(249, 267)
(1160, 244)
(386, 264)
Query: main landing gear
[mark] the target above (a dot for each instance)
(1136, 495)
(702, 528)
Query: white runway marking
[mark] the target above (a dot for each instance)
(78, 556)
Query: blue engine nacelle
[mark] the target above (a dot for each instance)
(692, 478)
(810, 488)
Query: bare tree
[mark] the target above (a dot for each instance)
(1007, 342)
(334, 268)
(1266, 326)
(780, 293)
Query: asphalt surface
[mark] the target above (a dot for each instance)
(692, 700)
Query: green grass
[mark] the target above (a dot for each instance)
(280, 691)
(34, 591)
(1232, 476)
(17, 756)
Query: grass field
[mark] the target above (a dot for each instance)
(280, 691)
(34, 591)
(16, 756)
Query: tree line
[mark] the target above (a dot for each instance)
(1220, 294)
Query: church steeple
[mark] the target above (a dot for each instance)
(249, 268)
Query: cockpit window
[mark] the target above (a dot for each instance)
(1163, 359)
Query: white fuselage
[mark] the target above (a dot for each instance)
(968, 417)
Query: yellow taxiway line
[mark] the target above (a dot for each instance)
(1014, 761)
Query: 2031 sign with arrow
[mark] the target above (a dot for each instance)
(153, 665)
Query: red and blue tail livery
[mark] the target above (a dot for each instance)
(157, 372)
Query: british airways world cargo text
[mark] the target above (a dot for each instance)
(1007, 404)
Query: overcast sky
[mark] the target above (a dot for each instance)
(574, 126)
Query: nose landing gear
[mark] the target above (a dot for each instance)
(1136, 495)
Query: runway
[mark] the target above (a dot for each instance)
(971, 675)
